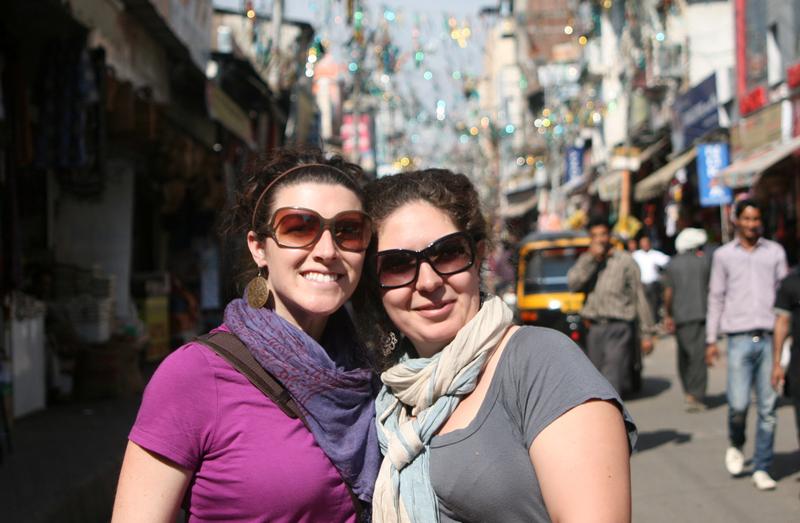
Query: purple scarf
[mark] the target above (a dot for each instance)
(336, 395)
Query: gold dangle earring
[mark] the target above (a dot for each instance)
(257, 290)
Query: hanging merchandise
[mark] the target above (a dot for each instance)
(2, 102)
(627, 227)
(417, 71)
(671, 214)
(69, 136)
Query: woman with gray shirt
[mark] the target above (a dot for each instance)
(478, 419)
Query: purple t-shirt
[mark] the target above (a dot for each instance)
(251, 462)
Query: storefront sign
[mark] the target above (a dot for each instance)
(695, 113)
(574, 164)
(349, 138)
(751, 24)
(711, 159)
(226, 111)
(793, 76)
(357, 142)
(756, 131)
(753, 100)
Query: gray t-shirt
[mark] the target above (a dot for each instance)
(687, 274)
(483, 472)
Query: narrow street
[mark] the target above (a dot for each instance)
(678, 472)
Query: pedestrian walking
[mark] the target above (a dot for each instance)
(787, 319)
(615, 304)
(651, 262)
(745, 274)
(685, 281)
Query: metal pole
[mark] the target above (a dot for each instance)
(274, 69)
(723, 219)
(277, 22)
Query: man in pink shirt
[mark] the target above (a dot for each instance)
(745, 274)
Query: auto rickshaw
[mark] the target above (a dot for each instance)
(542, 294)
(543, 297)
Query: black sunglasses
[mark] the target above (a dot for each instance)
(448, 255)
(298, 228)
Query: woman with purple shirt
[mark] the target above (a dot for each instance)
(207, 439)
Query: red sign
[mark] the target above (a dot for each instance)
(755, 99)
(349, 139)
(793, 76)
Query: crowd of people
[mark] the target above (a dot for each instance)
(365, 375)
(740, 292)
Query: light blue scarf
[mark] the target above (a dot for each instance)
(432, 387)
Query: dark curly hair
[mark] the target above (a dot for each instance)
(252, 206)
(450, 192)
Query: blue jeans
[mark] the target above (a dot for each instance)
(750, 365)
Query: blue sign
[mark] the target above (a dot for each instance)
(574, 164)
(695, 113)
(712, 158)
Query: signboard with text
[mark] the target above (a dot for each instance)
(695, 113)
(712, 158)
(574, 168)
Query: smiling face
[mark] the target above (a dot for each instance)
(431, 310)
(309, 284)
(748, 224)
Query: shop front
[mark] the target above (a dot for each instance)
(766, 146)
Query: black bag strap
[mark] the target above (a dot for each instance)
(232, 350)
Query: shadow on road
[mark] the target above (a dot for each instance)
(785, 464)
(651, 440)
(650, 387)
(716, 400)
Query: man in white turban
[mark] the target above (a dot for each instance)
(685, 281)
(690, 239)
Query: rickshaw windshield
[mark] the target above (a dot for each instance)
(546, 269)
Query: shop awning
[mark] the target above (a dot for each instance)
(608, 187)
(632, 158)
(515, 210)
(655, 184)
(227, 112)
(653, 149)
(573, 185)
(745, 172)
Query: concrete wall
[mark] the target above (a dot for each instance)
(90, 233)
(712, 47)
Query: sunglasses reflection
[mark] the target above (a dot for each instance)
(448, 255)
(298, 228)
